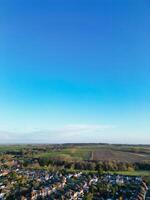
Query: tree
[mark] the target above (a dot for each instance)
(89, 196)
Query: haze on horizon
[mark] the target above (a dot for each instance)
(75, 71)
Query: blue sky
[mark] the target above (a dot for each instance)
(75, 71)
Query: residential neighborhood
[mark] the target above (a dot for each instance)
(23, 184)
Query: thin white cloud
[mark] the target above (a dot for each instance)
(68, 133)
(87, 127)
(7, 137)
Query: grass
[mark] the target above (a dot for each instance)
(132, 173)
(69, 153)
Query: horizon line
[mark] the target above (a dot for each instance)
(76, 143)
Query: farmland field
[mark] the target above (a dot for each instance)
(122, 156)
(80, 152)
(101, 153)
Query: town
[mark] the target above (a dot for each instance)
(41, 184)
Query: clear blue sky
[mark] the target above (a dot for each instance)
(75, 71)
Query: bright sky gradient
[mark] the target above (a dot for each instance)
(75, 71)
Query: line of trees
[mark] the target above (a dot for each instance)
(89, 165)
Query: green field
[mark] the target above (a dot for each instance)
(96, 152)
(100, 153)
